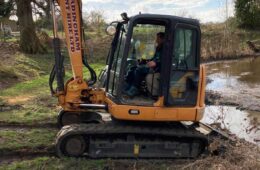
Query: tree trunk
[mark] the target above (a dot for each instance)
(48, 11)
(29, 42)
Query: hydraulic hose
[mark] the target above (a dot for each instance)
(51, 79)
(93, 76)
(58, 69)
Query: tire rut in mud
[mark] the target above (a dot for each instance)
(9, 156)
(12, 126)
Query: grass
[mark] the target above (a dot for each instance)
(34, 95)
(21, 67)
(38, 110)
(38, 106)
(7, 72)
(24, 138)
(29, 90)
(52, 163)
(38, 85)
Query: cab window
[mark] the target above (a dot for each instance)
(184, 49)
(184, 76)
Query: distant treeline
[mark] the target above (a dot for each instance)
(248, 13)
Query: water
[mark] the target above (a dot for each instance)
(234, 74)
(237, 80)
(243, 124)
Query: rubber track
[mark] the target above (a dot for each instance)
(110, 128)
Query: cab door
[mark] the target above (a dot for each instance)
(184, 69)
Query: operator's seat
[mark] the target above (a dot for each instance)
(152, 82)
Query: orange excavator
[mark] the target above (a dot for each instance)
(151, 124)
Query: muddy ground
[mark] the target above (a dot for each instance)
(233, 93)
(248, 99)
(222, 155)
(24, 145)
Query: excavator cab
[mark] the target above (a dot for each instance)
(177, 82)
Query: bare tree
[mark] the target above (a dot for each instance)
(43, 8)
(95, 20)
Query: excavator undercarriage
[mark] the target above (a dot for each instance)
(128, 140)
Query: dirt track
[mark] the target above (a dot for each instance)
(223, 155)
(9, 156)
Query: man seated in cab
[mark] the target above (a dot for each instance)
(136, 76)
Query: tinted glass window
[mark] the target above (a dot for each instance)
(183, 87)
(116, 65)
(184, 48)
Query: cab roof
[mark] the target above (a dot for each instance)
(158, 17)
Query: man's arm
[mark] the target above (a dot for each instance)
(152, 64)
(155, 61)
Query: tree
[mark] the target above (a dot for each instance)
(29, 42)
(45, 6)
(95, 20)
(6, 7)
(43, 9)
(248, 13)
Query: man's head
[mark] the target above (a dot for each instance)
(160, 38)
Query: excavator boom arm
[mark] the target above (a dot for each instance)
(70, 94)
(71, 16)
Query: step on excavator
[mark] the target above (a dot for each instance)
(161, 120)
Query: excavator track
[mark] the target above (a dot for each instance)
(118, 140)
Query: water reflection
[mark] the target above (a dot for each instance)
(243, 124)
(238, 80)
(246, 71)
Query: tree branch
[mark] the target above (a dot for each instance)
(40, 4)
